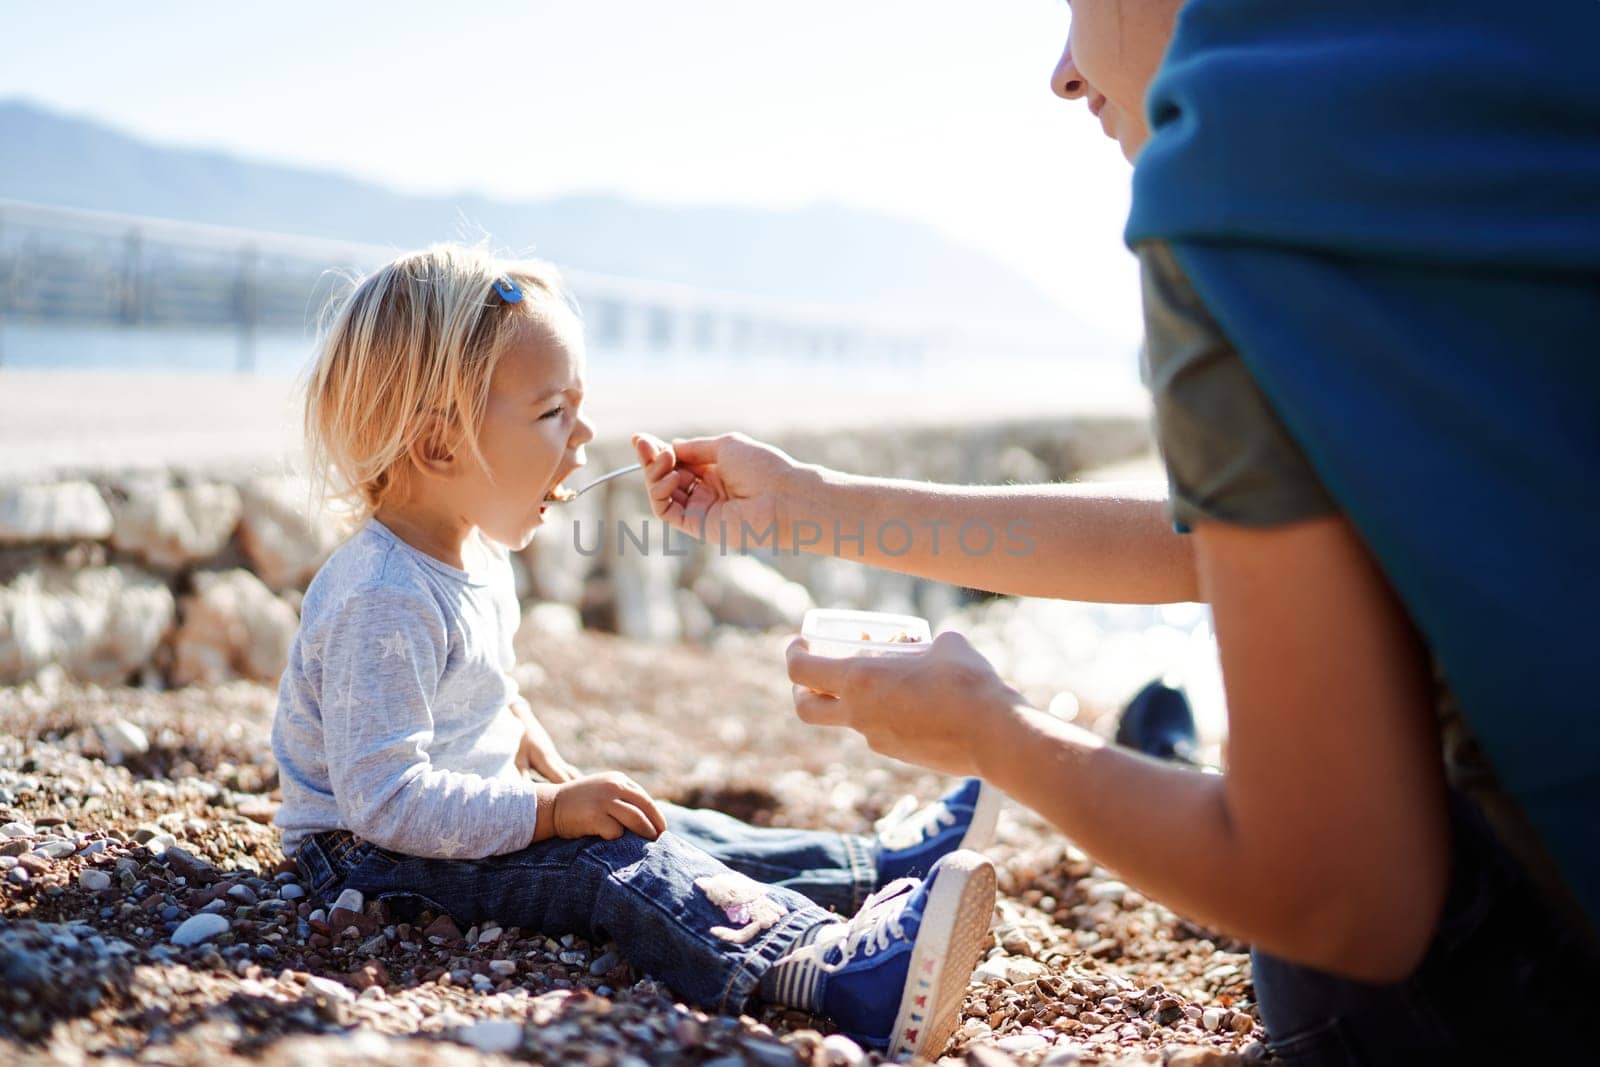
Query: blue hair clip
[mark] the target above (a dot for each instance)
(509, 290)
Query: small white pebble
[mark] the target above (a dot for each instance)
(329, 988)
(842, 1051)
(1112, 891)
(94, 881)
(994, 970)
(1023, 1042)
(198, 928)
(491, 1035)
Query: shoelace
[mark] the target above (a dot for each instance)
(905, 825)
(872, 929)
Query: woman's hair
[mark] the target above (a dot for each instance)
(410, 351)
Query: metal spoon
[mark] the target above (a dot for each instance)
(619, 472)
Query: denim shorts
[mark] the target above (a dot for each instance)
(1502, 979)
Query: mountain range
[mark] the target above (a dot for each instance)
(823, 253)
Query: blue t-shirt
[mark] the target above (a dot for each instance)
(1393, 210)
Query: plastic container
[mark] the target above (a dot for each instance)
(839, 633)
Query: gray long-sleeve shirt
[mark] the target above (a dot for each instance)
(393, 716)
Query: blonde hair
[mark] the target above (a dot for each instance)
(414, 341)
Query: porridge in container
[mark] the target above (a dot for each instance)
(839, 633)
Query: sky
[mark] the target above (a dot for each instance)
(934, 110)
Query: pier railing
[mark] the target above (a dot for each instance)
(88, 268)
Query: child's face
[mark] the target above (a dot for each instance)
(532, 436)
(1113, 50)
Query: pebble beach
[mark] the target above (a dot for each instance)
(147, 911)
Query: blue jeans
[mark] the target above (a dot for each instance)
(1503, 979)
(706, 908)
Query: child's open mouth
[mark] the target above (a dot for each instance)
(558, 494)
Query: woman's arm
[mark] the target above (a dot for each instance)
(1325, 842)
(1094, 542)
(1106, 543)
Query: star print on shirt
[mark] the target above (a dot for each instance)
(393, 645)
(345, 699)
(451, 843)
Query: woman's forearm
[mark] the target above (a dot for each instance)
(1162, 826)
(1101, 542)
(1170, 831)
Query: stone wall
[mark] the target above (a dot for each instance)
(177, 578)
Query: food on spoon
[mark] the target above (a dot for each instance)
(560, 494)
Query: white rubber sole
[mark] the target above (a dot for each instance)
(953, 934)
(985, 816)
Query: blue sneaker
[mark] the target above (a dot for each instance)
(1159, 723)
(911, 839)
(894, 977)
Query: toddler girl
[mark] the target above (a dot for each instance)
(446, 407)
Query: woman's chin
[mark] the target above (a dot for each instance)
(1132, 143)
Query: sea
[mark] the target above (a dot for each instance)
(35, 346)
